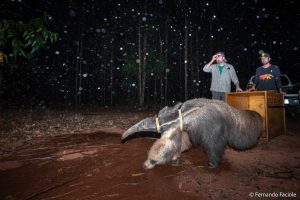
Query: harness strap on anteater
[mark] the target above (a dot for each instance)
(157, 124)
(180, 121)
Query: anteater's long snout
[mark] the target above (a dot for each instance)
(146, 125)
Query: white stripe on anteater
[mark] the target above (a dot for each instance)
(185, 113)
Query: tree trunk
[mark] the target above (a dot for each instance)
(140, 65)
(144, 69)
(111, 74)
(186, 59)
(104, 86)
(210, 38)
(161, 74)
(180, 74)
(80, 71)
(192, 75)
(156, 73)
(77, 67)
(166, 69)
(197, 66)
(0, 81)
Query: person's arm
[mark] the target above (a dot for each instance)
(255, 82)
(235, 79)
(207, 67)
(238, 88)
(277, 75)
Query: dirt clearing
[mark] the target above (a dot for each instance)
(87, 162)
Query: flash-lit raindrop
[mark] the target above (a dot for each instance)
(72, 13)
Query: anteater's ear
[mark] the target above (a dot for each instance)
(163, 110)
(178, 106)
(168, 110)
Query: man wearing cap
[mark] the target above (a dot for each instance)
(222, 75)
(267, 77)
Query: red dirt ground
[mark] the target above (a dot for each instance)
(86, 162)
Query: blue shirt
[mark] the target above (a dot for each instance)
(268, 78)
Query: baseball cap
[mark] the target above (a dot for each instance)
(265, 54)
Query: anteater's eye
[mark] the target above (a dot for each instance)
(153, 162)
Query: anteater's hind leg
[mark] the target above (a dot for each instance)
(215, 155)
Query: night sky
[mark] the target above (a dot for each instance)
(100, 36)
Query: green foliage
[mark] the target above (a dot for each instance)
(131, 65)
(25, 39)
(154, 64)
(130, 70)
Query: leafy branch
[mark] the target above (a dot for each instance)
(25, 39)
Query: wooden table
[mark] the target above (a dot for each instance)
(269, 104)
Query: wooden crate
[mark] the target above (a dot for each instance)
(269, 104)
